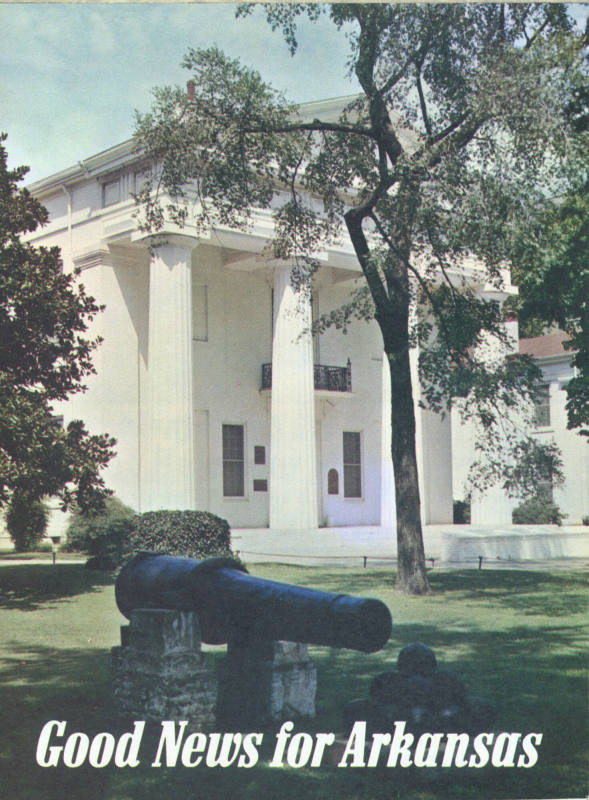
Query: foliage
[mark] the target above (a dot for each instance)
(537, 510)
(461, 514)
(103, 534)
(462, 123)
(552, 269)
(44, 359)
(26, 521)
(198, 534)
(550, 265)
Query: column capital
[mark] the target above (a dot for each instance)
(167, 238)
(96, 257)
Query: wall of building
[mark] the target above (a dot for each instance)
(573, 495)
(226, 365)
(227, 381)
(360, 411)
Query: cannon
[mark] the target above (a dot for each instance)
(239, 608)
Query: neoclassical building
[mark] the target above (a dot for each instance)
(209, 378)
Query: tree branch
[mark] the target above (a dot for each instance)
(354, 220)
(424, 114)
(414, 271)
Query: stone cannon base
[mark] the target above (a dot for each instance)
(263, 683)
(159, 672)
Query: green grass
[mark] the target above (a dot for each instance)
(517, 638)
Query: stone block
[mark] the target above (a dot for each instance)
(265, 685)
(160, 672)
(162, 631)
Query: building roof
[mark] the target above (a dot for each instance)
(113, 158)
(551, 344)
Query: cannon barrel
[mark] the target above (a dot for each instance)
(237, 607)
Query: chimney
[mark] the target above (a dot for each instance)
(190, 86)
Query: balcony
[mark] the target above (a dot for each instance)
(325, 378)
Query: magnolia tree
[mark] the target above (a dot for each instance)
(44, 358)
(458, 131)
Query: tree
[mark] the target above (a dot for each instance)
(551, 263)
(459, 120)
(44, 358)
(26, 521)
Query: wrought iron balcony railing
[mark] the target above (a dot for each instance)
(325, 377)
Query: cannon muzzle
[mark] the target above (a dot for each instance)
(240, 608)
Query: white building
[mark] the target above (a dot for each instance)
(219, 397)
(551, 423)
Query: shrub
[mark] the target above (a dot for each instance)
(198, 534)
(461, 512)
(26, 521)
(103, 535)
(537, 511)
(585, 520)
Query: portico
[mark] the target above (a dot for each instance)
(209, 376)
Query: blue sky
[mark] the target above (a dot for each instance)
(73, 74)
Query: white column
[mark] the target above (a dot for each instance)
(433, 443)
(168, 449)
(293, 465)
(388, 511)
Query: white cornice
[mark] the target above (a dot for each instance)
(96, 166)
(123, 154)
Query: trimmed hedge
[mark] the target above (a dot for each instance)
(198, 534)
(117, 533)
(537, 511)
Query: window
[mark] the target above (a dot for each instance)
(332, 481)
(545, 491)
(352, 465)
(233, 462)
(200, 313)
(259, 454)
(111, 193)
(542, 407)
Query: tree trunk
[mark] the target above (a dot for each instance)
(392, 315)
(411, 572)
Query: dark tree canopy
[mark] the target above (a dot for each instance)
(459, 130)
(44, 358)
(551, 264)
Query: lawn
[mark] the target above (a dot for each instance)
(518, 638)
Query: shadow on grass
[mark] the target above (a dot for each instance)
(27, 587)
(525, 591)
(529, 592)
(533, 669)
(536, 679)
(38, 684)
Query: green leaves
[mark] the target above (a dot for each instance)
(470, 116)
(552, 268)
(44, 358)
